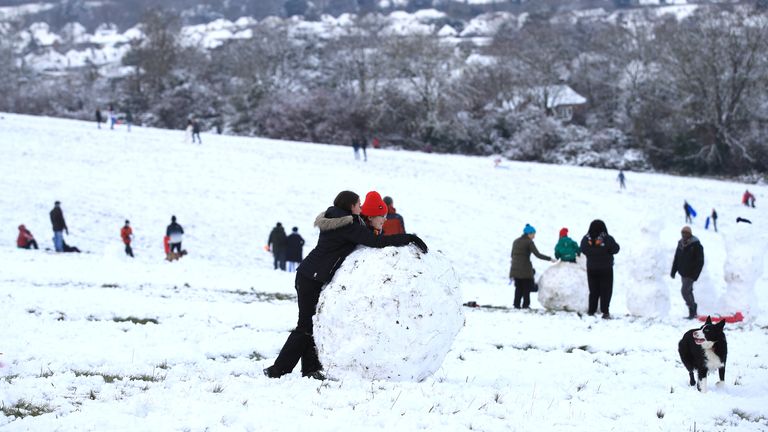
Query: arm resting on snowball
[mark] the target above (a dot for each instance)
(362, 235)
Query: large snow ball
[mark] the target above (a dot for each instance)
(563, 286)
(389, 314)
(648, 294)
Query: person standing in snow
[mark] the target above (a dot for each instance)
(599, 248)
(128, 119)
(714, 219)
(394, 223)
(687, 209)
(99, 118)
(341, 231)
(126, 233)
(521, 270)
(196, 131)
(566, 249)
(59, 226)
(689, 261)
(294, 246)
(175, 234)
(25, 240)
(356, 148)
(622, 178)
(111, 117)
(276, 243)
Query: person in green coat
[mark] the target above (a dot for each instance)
(566, 249)
(522, 269)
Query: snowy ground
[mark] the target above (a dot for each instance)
(78, 347)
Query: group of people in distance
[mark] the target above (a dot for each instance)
(597, 245)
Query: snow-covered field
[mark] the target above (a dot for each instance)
(97, 341)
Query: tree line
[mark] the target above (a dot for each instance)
(685, 96)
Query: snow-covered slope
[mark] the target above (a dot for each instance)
(220, 310)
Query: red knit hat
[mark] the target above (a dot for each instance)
(564, 232)
(373, 205)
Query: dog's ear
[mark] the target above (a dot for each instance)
(709, 320)
(721, 324)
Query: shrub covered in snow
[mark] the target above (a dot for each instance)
(389, 313)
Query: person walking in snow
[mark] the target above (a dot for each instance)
(99, 118)
(394, 223)
(126, 233)
(341, 231)
(276, 243)
(25, 240)
(521, 270)
(688, 262)
(748, 199)
(714, 219)
(688, 211)
(128, 119)
(566, 249)
(622, 178)
(356, 148)
(175, 234)
(111, 117)
(59, 226)
(599, 248)
(196, 131)
(294, 247)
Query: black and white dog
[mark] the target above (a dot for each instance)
(704, 349)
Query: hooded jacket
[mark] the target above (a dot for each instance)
(567, 249)
(340, 233)
(689, 258)
(599, 247)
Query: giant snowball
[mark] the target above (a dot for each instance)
(563, 286)
(648, 295)
(389, 314)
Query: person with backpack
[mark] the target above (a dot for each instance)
(25, 240)
(688, 262)
(599, 248)
(294, 246)
(394, 223)
(126, 233)
(276, 243)
(566, 249)
(341, 231)
(521, 270)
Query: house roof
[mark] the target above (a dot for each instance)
(559, 95)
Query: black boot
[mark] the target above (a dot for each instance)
(692, 311)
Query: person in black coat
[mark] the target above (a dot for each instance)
(294, 245)
(175, 233)
(341, 231)
(599, 248)
(689, 261)
(99, 118)
(277, 244)
(59, 226)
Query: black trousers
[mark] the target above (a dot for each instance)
(279, 259)
(600, 289)
(175, 247)
(523, 292)
(32, 244)
(301, 343)
(128, 250)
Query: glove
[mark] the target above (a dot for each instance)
(672, 275)
(413, 238)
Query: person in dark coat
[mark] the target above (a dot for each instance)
(599, 248)
(521, 270)
(714, 219)
(175, 234)
(128, 119)
(277, 244)
(196, 131)
(341, 231)
(99, 118)
(59, 226)
(394, 223)
(689, 261)
(294, 246)
(25, 240)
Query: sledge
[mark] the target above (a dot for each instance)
(737, 317)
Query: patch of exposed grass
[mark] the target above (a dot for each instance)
(111, 378)
(264, 296)
(660, 413)
(570, 350)
(45, 374)
(256, 356)
(754, 418)
(23, 408)
(135, 320)
(218, 388)
(110, 285)
(9, 378)
(163, 365)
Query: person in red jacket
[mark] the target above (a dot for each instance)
(127, 233)
(25, 240)
(394, 223)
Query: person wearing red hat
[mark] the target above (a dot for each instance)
(374, 212)
(341, 231)
(566, 248)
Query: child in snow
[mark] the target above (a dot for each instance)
(394, 223)
(521, 270)
(25, 240)
(126, 233)
(599, 248)
(341, 230)
(566, 249)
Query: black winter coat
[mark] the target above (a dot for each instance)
(689, 259)
(57, 219)
(599, 251)
(277, 239)
(293, 248)
(340, 233)
(174, 228)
